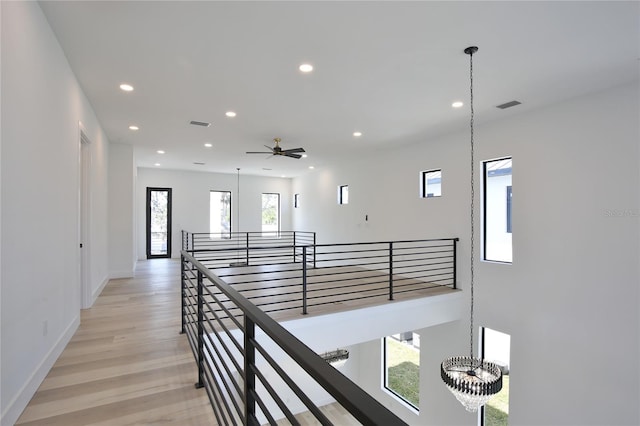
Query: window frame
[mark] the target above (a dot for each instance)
(408, 404)
(278, 214)
(483, 230)
(342, 189)
(166, 255)
(223, 235)
(424, 183)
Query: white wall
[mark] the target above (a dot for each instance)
(190, 201)
(42, 105)
(122, 254)
(569, 300)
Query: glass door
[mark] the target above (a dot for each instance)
(158, 222)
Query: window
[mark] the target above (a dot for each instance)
(431, 183)
(497, 193)
(495, 347)
(401, 367)
(296, 201)
(220, 214)
(270, 213)
(343, 194)
(158, 222)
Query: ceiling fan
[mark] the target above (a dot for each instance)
(277, 150)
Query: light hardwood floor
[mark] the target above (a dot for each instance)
(127, 363)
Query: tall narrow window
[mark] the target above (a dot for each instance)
(343, 194)
(220, 214)
(270, 213)
(401, 367)
(495, 347)
(431, 184)
(158, 222)
(296, 201)
(497, 191)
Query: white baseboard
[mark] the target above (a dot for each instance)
(98, 290)
(114, 275)
(17, 405)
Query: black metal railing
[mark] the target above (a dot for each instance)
(251, 367)
(325, 274)
(217, 250)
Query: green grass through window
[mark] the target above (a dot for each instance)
(403, 370)
(497, 409)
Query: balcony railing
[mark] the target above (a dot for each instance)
(228, 304)
(255, 371)
(247, 248)
(312, 277)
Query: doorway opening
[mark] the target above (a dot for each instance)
(84, 204)
(158, 223)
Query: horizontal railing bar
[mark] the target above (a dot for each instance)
(211, 381)
(276, 398)
(225, 347)
(222, 377)
(264, 409)
(292, 385)
(220, 304)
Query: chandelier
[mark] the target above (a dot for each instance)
(472, 381)
(336, 358)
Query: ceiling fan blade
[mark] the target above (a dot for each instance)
(288, 154)
(293, 150)
(268, 147)
(258, 152)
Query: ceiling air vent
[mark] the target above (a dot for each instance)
(508, 105)
(197, 163)
(199, 123)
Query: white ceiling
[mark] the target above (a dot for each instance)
(388, 69)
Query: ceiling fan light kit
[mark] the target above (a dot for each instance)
(277, 150)
(472, 381)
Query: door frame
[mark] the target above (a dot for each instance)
(148, 224)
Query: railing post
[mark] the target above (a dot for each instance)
(294, 246)
(304, 280)
(455, 263)
(200, 383)
(314, 250)
(390, 270)
(247, 239)
(250, 377)
(183, 292)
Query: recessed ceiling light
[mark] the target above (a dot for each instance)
(304, 155)
(160, 151)
(282, 176)
(126, 87)
(311, 167)
(157, 164)
(357, 134)
(208, 145)
(230, 114)
(457, 104)
(132, 127)
(306, 67)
